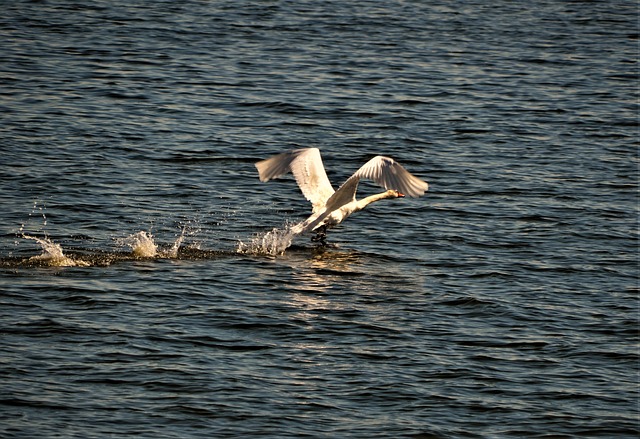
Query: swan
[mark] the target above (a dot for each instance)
(329, 207)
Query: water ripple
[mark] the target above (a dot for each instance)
(501, 304)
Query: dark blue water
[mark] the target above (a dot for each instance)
(504, 303)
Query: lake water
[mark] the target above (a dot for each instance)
(503, 303)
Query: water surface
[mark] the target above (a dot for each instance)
(504, 303)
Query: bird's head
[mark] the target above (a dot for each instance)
(392, 193)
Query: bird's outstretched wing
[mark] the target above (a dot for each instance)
(389, 174)
(384, 171)
(308, 170)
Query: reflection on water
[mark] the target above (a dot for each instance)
(339, 261)
(317, 269)
(315, 274)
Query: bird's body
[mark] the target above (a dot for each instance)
(330, 207)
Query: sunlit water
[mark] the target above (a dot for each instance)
(151, 286)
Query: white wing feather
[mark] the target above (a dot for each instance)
(389, 174)
(384, 171)
(308, 170)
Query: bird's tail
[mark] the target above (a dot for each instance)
(310, 223)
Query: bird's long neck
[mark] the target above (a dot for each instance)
(345, 211)
(361, 204)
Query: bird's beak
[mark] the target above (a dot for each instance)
(400, 195)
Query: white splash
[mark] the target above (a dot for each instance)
(173, 251)
(52, 254)
(142, 244)
(273, 242)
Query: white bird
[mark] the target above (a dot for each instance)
(331, 207)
